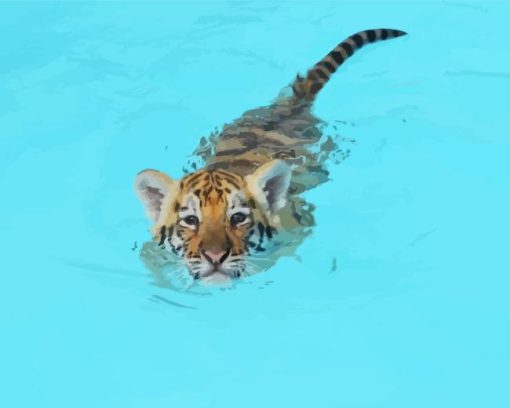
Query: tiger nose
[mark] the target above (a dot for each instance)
(216, 256)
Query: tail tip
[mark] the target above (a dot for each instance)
(398, 33)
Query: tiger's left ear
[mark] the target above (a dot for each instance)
(269, 185)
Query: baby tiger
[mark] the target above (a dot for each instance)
(245, 201)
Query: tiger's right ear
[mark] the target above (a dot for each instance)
(154, 188)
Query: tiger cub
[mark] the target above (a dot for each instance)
(242, 210)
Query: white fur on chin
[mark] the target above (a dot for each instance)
(215, 279)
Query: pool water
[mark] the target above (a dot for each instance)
(399, 298)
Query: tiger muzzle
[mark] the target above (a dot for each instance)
(216, 257)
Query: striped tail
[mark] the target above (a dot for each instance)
(307, 88)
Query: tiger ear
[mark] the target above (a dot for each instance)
(154, 188)
(269, 185)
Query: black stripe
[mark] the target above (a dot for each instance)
(371, 35)
(322, 74)
(358, 40)
(229, 178)
(230, 152)
(162, 235)
(223, 172)
(261, 230)
(337, 57)
(329, 66)
(347, 48)
(192, 184)
(193, 178)
(384, 34)
(316, 87)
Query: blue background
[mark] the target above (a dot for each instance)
(416, 313)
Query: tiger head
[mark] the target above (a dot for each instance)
(213, 220)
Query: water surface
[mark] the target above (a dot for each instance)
(397, 299)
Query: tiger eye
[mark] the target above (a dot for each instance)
(237, 218)
(191, 220)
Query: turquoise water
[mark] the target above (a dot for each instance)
(398, 299)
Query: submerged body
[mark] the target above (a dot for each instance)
(242, 211)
